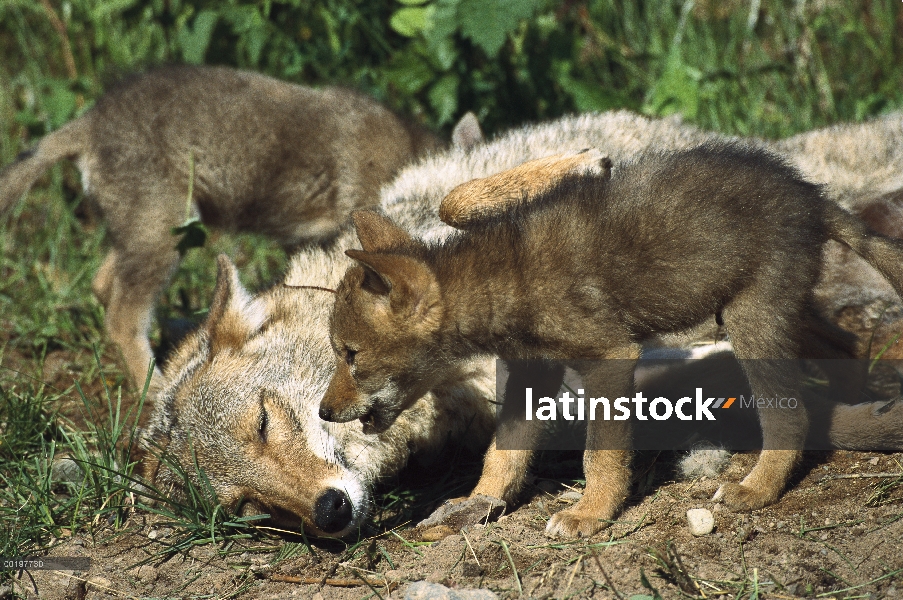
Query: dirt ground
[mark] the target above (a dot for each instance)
(830, 532)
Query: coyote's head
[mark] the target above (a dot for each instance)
(241, 396)
(230, 405)
(383, 329)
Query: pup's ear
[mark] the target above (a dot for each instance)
(378, 233)
(408, 283)
(467, 132)
(234, 315)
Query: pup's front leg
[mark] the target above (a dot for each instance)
(607, 457)
(505, 469)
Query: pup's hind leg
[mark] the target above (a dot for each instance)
(765, 324)
(137, 273)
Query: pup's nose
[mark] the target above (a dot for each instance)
(332, 511)
(326, 413)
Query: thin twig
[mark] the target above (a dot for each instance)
(60, 27)
(608, 580)
(308, 287)
(860, 476)
(334, 582)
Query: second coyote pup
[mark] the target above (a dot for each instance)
(270, 157)
(591, 268)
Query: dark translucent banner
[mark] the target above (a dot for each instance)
(43, 563)
(674, 404)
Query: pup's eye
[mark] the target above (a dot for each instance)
(349, 356)
(262, 426)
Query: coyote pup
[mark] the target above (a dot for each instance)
(270, 157)
(589, 270)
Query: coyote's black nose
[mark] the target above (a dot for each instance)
(332, 512)
(326, 413)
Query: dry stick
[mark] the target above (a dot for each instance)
(861, 476)
(334, 582)
(471, 550)
(60, 27)
(308, 287)
(608, 580)
(573, 572)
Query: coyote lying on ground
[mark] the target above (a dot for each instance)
(264, 155)
(276, 360)
(590, 269)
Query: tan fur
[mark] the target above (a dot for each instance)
(292, 353)
(270, 157)
(480, 199)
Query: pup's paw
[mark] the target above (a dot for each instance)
(572, 523)
(742, 497)
(461, 512)
(588, 161)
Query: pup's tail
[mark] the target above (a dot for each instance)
(17, 178)
(867, 426)
(883, 253)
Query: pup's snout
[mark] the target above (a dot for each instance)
(326, 413)
(332, 512)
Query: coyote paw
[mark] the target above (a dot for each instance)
(461, 512)
(588, 161)
(573, 523)
(742, 497)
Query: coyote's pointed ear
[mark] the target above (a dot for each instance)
(234, 314)
(407, 282)
(467, 132)
(378, 233)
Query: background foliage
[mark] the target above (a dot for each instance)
(764, 66)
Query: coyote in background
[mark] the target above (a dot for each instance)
(273, 351)
(268, 157)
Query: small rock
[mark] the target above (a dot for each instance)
(423, 590)
(701, 521)
(153, 534)
(66, 470)
(318, 596)
(474, 510)
(101, 583)
(548, 486)
(570, 496)
(874, 461)
(145, 574)
(394, 575)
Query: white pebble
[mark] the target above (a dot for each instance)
(701, 521)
